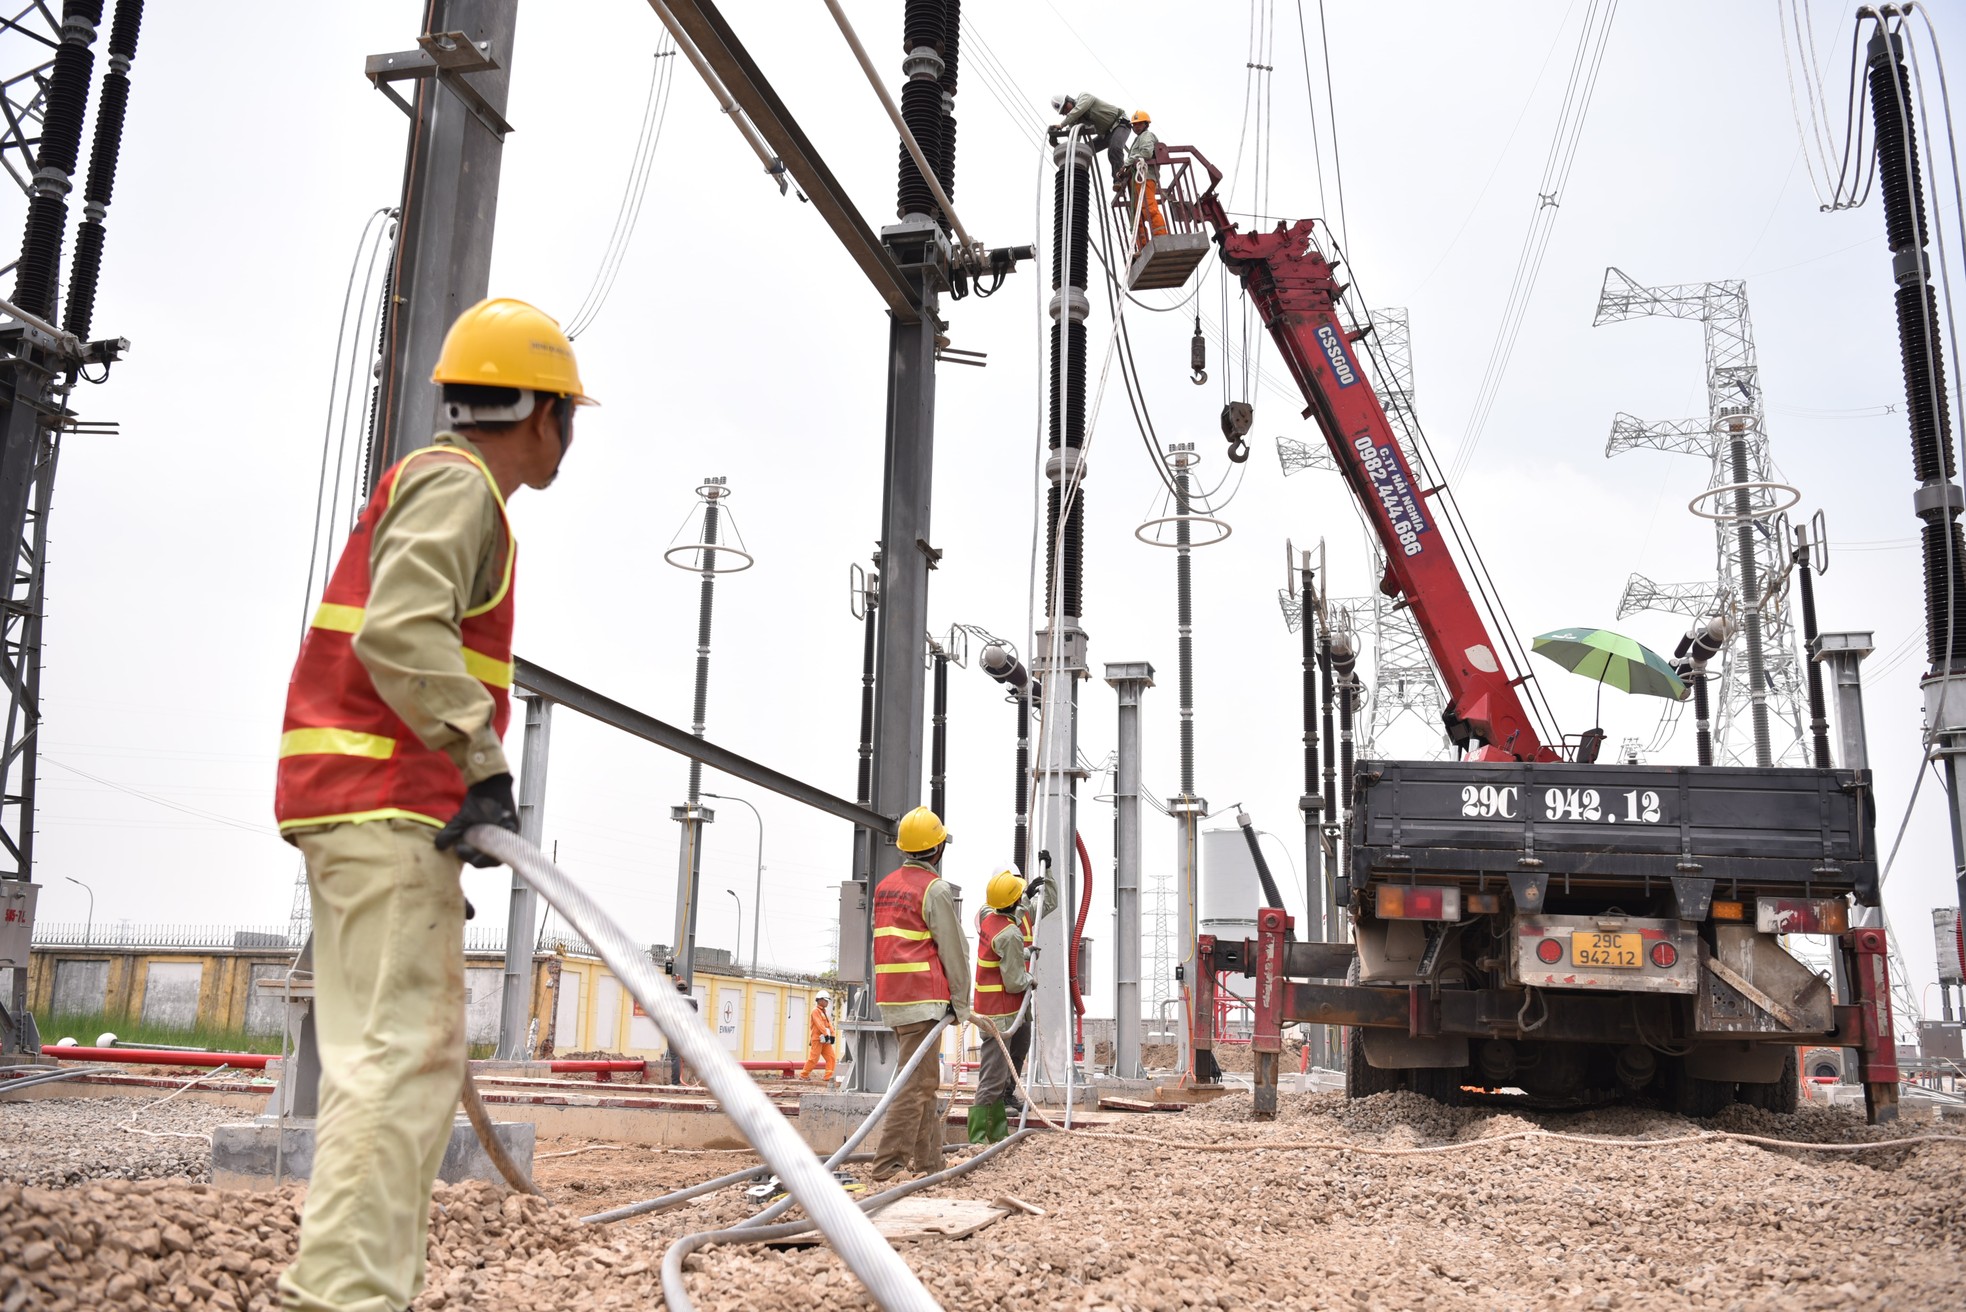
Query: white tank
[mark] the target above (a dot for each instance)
(1230, 891)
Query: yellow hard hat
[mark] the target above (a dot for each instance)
(1005, 889)
(1142, 116)
(920, 831)
(508, 343)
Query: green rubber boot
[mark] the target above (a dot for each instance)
(987, 1123)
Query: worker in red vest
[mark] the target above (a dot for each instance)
(1003, 976)
(389, 753)
(921, 970)
(821, 1039)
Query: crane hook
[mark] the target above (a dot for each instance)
(1198, 355)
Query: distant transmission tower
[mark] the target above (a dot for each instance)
(1402, 683)
(1758, 711)
(1160, 943)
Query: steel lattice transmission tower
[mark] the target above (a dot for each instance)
(1762, 725)
(1403, 681)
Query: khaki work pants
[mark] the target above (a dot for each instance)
(914, 1133)
(389, 1017)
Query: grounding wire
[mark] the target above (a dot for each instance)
(634, 190)
(1331, 106)
(1574, 109)
(322, 485)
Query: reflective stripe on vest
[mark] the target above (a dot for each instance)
(992, 998)
(907, 965)
(344, 754)
(488, 670)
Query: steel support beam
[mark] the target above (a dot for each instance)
(522, 915)
(900, 679)
(707, 30)
(447, 212)
(1129, 679)
(596, 706)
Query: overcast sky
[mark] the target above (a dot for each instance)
(740, 341)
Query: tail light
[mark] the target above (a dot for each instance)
(1549, 951)
(1406, 902)
(1725, 910)
(1794, 915)
(1664, 955)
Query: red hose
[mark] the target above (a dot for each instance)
(1078, 932)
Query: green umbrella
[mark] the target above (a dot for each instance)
(1614, 659)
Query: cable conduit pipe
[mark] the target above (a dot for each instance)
(889, 1281)
(676, 1296)
(861, 1131)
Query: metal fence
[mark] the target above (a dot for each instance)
(278, 938)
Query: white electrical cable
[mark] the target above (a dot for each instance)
(888, 1279)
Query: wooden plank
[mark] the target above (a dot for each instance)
(922, 1218)
(1140, 1105)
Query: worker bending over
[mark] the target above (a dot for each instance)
(1003, 976)
(1145, 177)
(921, 970)
(820, 1040)
(1105, 124)
(390, 751)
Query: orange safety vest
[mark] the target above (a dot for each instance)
(907, 967)
(992, 998)
(344, 755)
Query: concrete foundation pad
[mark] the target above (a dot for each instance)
(244, 1155)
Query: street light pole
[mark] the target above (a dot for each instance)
(758, 880)
(738, 946)
(89, 925)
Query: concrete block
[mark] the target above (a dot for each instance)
(826, 1119)
(244, 1155)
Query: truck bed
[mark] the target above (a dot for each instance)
(1796, 831)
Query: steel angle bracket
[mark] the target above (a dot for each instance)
(446, 56)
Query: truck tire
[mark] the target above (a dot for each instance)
(1783, 1096)
(1442, 1084)
(1362, 1078)
(1701, 1099)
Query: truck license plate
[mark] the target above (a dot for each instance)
(1612, 951)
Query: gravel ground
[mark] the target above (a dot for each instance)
(60, 1141)
(1261, 1224)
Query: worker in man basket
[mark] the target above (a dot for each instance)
(390, 751)
(1003, 975)
(821, 1039)
(921, 970)
(1148, 221)
(1104, 123)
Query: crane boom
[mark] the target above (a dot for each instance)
(1295, 290)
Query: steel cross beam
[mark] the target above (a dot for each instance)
(558, 688)
(728, 58)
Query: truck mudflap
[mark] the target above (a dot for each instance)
(1862, 1022)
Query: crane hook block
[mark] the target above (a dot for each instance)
(1237, 416)
(1198, 356)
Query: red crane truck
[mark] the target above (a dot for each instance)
(1522, 918)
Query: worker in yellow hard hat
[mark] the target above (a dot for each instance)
(821, 1039)
(390, 751)
(921, 970)
(1145, 178)
(1003, 977)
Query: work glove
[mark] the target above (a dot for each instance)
(1034, 890)
(827, 1040)
(487, 802)
(1054, 134)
